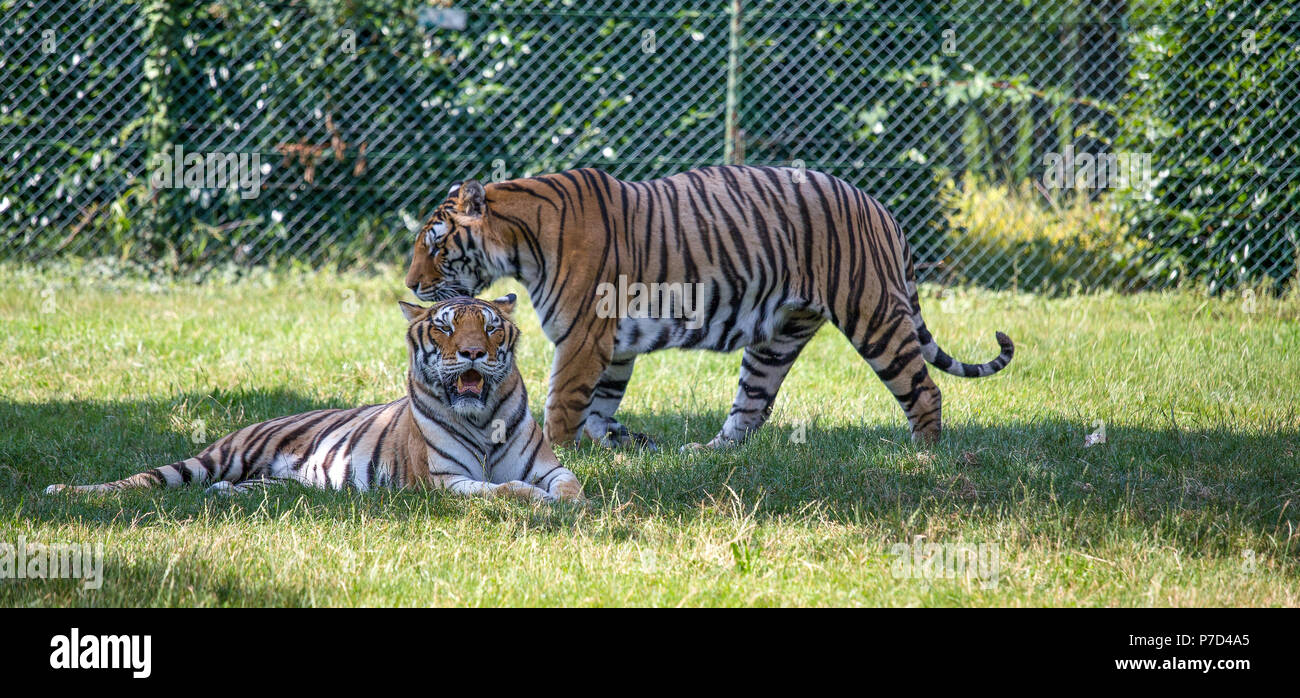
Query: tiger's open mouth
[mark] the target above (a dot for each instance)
(469, 383)
(468, 391)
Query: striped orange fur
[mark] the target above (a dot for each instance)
(773, 252)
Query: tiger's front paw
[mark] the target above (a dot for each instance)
(55, 489)
(640, 440)
(569, 491)
(611, 434)
(719, 443)
(518, 489)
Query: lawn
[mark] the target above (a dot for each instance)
(1190, 501)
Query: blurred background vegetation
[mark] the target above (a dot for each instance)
(363, 112)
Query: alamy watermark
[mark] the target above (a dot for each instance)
(208, 170)
(640, 301)
(1071, 170)
(55, 561)
(77, 651)
(929, 561)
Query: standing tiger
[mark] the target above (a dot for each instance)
(773, 252)
(464, 425)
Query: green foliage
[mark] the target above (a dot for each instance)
(1215, 98)
(1006, 236)
(362, 116)
(66, 185)
(887, 94)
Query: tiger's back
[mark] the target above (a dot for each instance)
(757, 245)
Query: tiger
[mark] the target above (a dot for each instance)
(463, 426)
(772, 253)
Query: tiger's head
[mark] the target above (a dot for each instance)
(451, 257)
(462, 350)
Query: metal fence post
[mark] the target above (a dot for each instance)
(734, 149)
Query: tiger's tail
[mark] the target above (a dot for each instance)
(177, 474)
(940, 359)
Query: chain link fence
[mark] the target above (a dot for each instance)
(1047, 145)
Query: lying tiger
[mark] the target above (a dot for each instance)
(464, 426)
(771, 254)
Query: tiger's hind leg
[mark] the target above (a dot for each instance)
(894, 353)
(762, 370)
(222, 487)
(600, 425)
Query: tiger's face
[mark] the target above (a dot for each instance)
(461, 350)
(450, 259)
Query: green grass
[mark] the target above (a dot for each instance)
(1190, 502)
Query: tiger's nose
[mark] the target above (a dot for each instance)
(472, 353)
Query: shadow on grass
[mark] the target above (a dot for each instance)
(1195, 485)
(85, 441)
(1189, 483)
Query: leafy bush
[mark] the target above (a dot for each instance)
(361, 115)
(1215, 99)
(1005, 236)
(65, 187)
(925, 88)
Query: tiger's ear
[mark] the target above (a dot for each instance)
(471, 199)
(411, 310)
(505, 305)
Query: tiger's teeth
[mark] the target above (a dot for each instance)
(460, 384)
